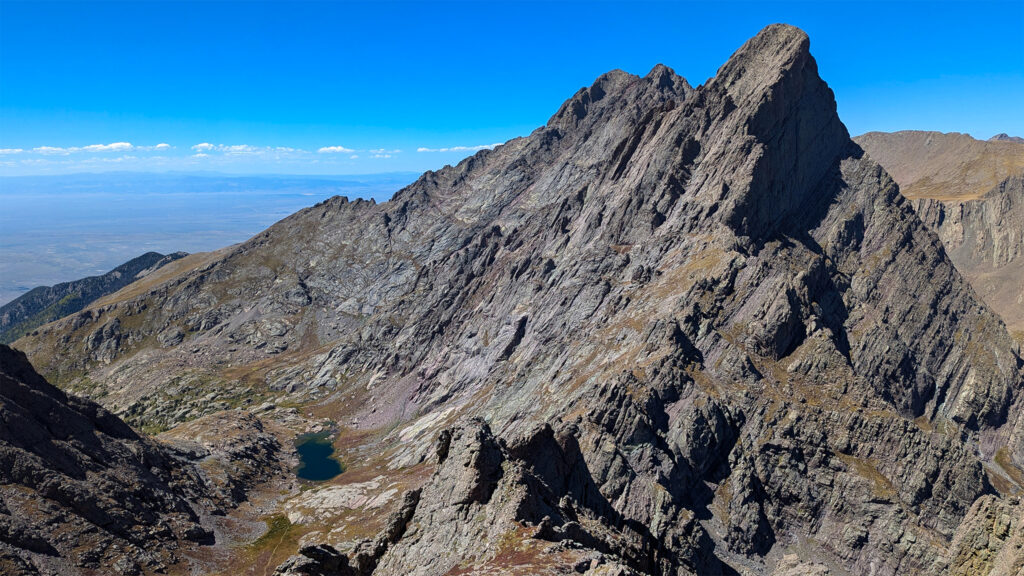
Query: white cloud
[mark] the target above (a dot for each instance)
(200, 155)
(333, 149)
(385, 151)
(160, 146)
(53, 150)
(381, 156)
(114, 146)
(11, 150)
(238, 149)
(241, 149)
(353, 157)
(460, 148)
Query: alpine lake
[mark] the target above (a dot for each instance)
(316, 457)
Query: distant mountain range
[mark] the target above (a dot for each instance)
(943, 166)
(1004, 137)
(47, 303)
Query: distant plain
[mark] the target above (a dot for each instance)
(60, 228)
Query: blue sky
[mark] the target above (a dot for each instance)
(349, 88)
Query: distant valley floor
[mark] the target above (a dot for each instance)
(60, 228)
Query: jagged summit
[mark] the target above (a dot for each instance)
(1004, 137)
(665, 77)
(777, 50)
(704, 330)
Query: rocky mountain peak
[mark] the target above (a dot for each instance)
(666, 78)
(773, 100)
(703, 328)
(614, 90)
(776, 51)
(1004, 137)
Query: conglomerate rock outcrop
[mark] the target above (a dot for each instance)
(705, 332)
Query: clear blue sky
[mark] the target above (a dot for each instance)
(263, 87)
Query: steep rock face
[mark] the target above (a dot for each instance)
(748, 352)
(68, 462)
(47, 303)
(982, 228)
(990, 540)
(81, 491)
(986, 231)
(985, 239)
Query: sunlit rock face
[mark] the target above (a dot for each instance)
(675, 330)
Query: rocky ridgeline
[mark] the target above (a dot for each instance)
(46, 303)
(705, 330)
(80, 491)
(535, 499)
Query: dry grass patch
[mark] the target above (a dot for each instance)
(1004, 460)
(867, 468)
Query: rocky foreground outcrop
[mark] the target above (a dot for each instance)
(706, 332)
(80, 491)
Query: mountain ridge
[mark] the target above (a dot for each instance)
(942, 166)
(675, 330)
(43, 304)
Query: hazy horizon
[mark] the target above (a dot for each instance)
(361, 88)
(58, 228)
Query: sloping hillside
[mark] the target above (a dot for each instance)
(47, 303)
(942, 166)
